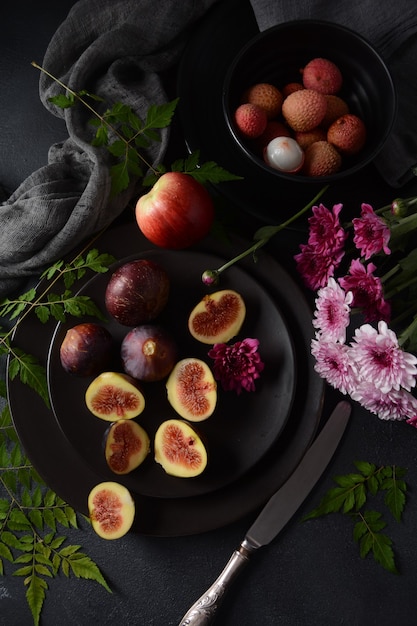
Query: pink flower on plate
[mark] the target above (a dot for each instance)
(326, 234)
(238, 365)
(382, 361)
(396, 404)
(371, 233)
(332, 314)
(334, 364)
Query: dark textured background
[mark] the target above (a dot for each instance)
(312, 574)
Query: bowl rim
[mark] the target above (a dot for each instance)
(309, 22)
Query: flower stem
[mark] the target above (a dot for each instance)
(264, 234)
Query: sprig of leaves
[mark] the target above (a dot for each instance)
(31, 516)
(351, 496)
(46, 305)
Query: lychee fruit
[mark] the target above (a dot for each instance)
(307, 137)
(304, 109)
(284, 154)
(322, 75)
(336, 107)
(267, 96)
(273, 129)
(251, 120)
(291, 87)
(321, 159)
(347, 134)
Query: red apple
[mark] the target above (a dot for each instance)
(176, 213)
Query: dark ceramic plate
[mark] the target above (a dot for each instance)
(71, 464)
(242, 428)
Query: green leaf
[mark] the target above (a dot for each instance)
(63, 101)
(84, 567)
(120, 177)
(160, 116)
(35, 596)
(30, 372)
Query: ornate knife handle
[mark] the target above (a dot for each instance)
(204, 610)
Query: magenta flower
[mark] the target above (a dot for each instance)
(382, 362)
(332, 314)
(371, 233)
(334, 364)
(391, 405)
(315, 269)
(367, 291)
(326, 234)
(237, 366)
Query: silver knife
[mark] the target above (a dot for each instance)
(274, 516)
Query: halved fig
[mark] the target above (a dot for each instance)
(217, 317)
(111, 509)
(127, 446)
(192, 390)
(113, 396)
(179, 449)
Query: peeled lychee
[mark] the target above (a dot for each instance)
(284, 154)
(322, 75)
(321, 159)
(336, 107)
(267, 96)
(304, 109)
(273, 129)
(251, 120)
(347, 134)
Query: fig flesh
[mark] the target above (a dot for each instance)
(179, 449)
(86, 349)
(137, 292)
(127, 446)
(148, 353)
(217, 317)
(111, 509)
(192, 390)
(112, 396)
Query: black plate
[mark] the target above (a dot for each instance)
(67, 471)
(241, 429)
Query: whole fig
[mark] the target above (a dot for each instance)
(148, 353)
(86, 349)
(137, 292)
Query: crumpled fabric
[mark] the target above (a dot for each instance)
(116, 50)
(391, 27)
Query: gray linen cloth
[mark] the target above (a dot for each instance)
(117, 49)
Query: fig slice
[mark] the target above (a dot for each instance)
(111, 509)
(127, 446)
(179, 449)
(192, 390)
(217, 317)
(112, 396)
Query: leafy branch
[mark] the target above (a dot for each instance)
(47, 305)
(30, 518)
(127, 137)
(351, 496)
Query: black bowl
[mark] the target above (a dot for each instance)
(276, 56)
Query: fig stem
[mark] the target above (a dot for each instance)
(262, 236)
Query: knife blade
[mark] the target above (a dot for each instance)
(274, 516)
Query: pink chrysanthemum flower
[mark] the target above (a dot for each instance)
(315, 268)
(334, 364)
(367, 291)
(326, 234)
(371, 233)
(332, 314)
(393, 405)
(381, 359)
(237, 366)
